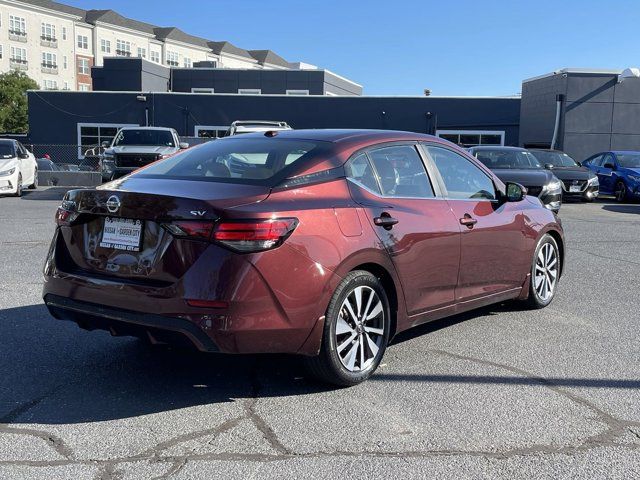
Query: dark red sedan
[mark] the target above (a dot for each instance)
(324, 243)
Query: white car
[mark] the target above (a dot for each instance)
(18, 168)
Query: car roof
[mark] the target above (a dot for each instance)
(499, 147)
(348, 135)
(147, 128)
(621, 151)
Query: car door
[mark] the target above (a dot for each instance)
(607, 175)
(412, 221)
(493, 242)
(27, 164)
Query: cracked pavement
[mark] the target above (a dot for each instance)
(496, 393)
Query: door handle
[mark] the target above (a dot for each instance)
(468, 221)
(385, 221)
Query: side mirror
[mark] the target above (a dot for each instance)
(23, 155)
(183, 145)
(515, 192)
(106, 144)
(610, 166)
(548, 166)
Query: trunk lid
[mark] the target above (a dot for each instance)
(160, 259)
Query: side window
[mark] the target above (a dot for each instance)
(359, 169)
(608, 158)
(400, 172)
(461, 177)
(596, 161)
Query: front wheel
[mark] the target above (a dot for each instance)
(620, 191)
(545, 272)
(34, 185)
(18, 186)
(356, 331)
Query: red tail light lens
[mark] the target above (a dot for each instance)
(191, 229)
(66, 213)
(254, 235)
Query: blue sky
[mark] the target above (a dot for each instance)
(402, 47)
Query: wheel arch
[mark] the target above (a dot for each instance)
(560, 241)
(390, 289)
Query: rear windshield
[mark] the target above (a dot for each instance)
(6, 150)
(162, 138)
(258, 161)
(517, 159)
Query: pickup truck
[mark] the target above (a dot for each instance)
(135, 147)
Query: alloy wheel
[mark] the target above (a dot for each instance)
(621, 192)
(546, 272)
(360, 328)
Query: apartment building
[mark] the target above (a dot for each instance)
(57, 44)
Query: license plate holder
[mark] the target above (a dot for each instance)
(574, 188)
(122, 234)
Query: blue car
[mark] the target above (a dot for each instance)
(618, 173)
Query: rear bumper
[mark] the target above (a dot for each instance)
(156, 328)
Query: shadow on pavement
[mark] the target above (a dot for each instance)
(52, 372)
(54, 193)
(619, 208)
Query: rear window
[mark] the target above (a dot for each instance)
(259, 161)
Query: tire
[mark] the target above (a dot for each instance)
(620, 192)
(34, 185)
(338, 363)
(542, 288)
(19, 186)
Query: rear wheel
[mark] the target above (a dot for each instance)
(34, 185)
(620, 191)
(545, 273)
(356, 331)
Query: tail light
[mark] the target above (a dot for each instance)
(66, 213)
(242, 236)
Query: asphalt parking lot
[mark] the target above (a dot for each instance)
(497, 393)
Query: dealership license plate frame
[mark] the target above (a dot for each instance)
(118, 240)
(574, 189)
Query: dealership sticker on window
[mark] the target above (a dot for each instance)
(122, 234)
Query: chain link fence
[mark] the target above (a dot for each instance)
(82, 158)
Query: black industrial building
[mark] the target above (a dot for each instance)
(580, 111)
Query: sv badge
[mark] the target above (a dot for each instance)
(198, 213)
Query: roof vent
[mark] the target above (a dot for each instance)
(632, 72)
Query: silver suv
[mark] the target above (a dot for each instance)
(135, 147)
(251, 126)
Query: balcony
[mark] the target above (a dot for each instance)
(19, 63)
(18, 35)
(47, 41)
(123, 53)
(51, 68)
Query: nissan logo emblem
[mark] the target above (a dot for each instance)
(113, 204)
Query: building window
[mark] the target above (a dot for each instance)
(202, 90)
(249, 91)
(91, 135)
(19, 55)
(17, 26)
(66, 85)
(105, 46)
(83, 87)
(155, 56)
(48, 32)
(64, 62)
(210, 131)
(142, 52)
(173, 59)
(297, 92)
(83, 42)
(187, 62)
(83, 66)
(49, 60)
(123, 48)
(64, 33)
(1, 52)
(469, 138)
(50, 84)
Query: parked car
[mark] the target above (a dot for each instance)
(513, 164)
(337, 241)
(69, 167)
(252, 126)
(18, 168)
(46, 165)
(135, 147)
(577, 181)
(618, 173)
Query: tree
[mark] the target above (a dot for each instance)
(13, 101)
